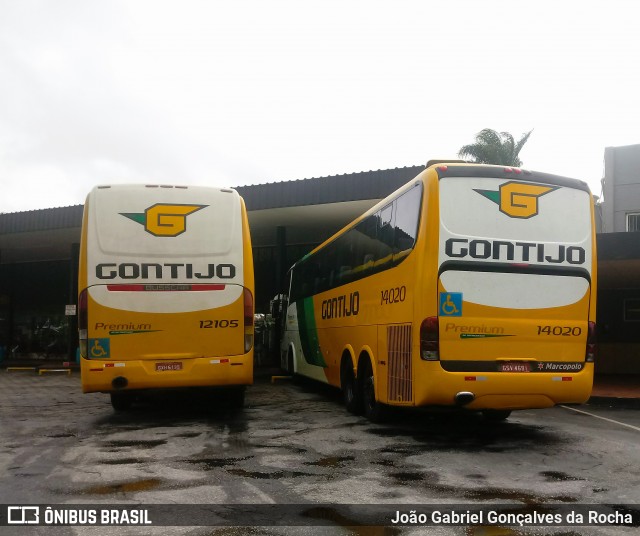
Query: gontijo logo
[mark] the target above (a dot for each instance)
(164, 219)
(517, 199)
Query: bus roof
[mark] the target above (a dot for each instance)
(457, 169)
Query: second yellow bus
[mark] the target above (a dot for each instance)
(471, 286)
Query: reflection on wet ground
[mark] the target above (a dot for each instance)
(123, 487)
(332, 461)
(216, 463)
(277, 450)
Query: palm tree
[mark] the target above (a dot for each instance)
(493, 147)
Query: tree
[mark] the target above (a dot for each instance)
(493, 147)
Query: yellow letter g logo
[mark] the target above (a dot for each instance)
(517, 199)
(520, 200)
(168, 220)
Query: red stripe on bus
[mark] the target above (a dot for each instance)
(163, 288)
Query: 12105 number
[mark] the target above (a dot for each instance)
(213, 324)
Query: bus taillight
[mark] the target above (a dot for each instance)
(430, 339)
(83, 322)
(248, 320)
(590, 356)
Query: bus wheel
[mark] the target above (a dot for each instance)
(121, 401)
(373, 410)
(350, 392)
(496, 415)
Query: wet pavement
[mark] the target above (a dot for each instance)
(294, 443)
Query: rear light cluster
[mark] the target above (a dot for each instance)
(590, 355)
(83, 322)
(248, 320)
(430, 339)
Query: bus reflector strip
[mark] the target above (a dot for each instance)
(475, 378)
(562, 379)
(164, 288)
(217, 361)
(111, 365)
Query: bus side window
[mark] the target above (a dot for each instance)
(385, 231)
(384, 238)
(406, 222)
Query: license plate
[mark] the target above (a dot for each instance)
(514, 366)
(163, 367)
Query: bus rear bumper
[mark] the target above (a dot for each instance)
(112, 375)
(512, 391)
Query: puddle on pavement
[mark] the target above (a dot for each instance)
(276, 475)
(61, 435)
(407, 478)
(403, 451)
(332, 461)
(188, 435)
(558, 476)
(124, 487)
(455, 437)
(385, 463)
(494, 494)
(124, 461)
(428, 480)
(138, 443)
(214, 463)
(292, 448)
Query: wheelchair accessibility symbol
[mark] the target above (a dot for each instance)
(99, 348)
(451, 304)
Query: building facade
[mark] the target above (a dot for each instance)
(619, 263)
(39, 254)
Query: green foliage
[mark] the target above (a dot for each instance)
(493, 147)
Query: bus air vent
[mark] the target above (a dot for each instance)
(399, 358)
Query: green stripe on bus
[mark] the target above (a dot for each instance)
(309, 332)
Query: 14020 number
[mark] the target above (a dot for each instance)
(393, 295)
(564, 331)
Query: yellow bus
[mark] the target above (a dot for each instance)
(165, 291)
(472, 286)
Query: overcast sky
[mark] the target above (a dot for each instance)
(245, 92)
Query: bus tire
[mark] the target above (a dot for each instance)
(373, 410)
(351, 394)
(121, 401)
(496, 415)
